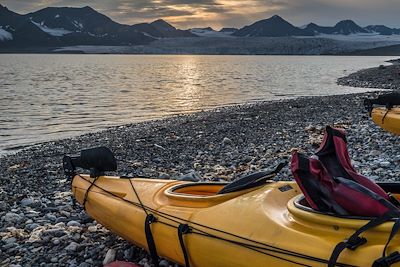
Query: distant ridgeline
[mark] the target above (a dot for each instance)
(67, 26)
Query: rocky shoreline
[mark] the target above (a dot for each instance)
(39, 226)
(383, 77)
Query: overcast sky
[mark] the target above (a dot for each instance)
(231, 13)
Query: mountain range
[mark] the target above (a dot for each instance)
(66, 26)
(77, 26)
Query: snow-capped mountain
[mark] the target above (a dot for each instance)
(161, 29)
(169, 31)
(347, 27)
(72, 26)
(17, 30)
(316, 29)
(57, 26)
(272, 27)
(70, 20)
(228, 30)
(85, 26)
(209, 32)
(382, 30)
(277, 26)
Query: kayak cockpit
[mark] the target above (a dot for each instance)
(203, 194)
(197, 189)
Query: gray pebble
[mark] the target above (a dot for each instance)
(57, 232)
(51, 217)
(26, 202)
(164, 263)
(72, 247)
(73, 223)
(10, 240)
(192, 177)
(32, 226)
(164, 176)
(385, 164)
(12, 217)
(128, 253)
(8, 246)
(226, 141)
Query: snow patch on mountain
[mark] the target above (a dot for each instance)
(151, 36)
(97, 35)
(77, 24)
(5, 35)
(54, 32)
(208, 33)
(359, 37)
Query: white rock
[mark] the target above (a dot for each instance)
(110, 256)
(92, 228)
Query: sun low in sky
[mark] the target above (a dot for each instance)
(230, 13)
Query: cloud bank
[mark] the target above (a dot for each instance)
(230, 13)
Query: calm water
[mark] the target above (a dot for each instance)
(45, 97)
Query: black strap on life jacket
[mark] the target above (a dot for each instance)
(149, 238)
(184, 229)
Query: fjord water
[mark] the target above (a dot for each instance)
(46, 97)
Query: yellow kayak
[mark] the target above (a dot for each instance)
(388, 120)
(268, 225)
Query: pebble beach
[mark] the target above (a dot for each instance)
(39, 226)
(383, 77)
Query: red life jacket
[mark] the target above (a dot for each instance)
(330, 183)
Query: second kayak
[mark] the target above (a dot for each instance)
(388, 120)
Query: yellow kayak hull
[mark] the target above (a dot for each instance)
(390, 121)
(266, 219)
